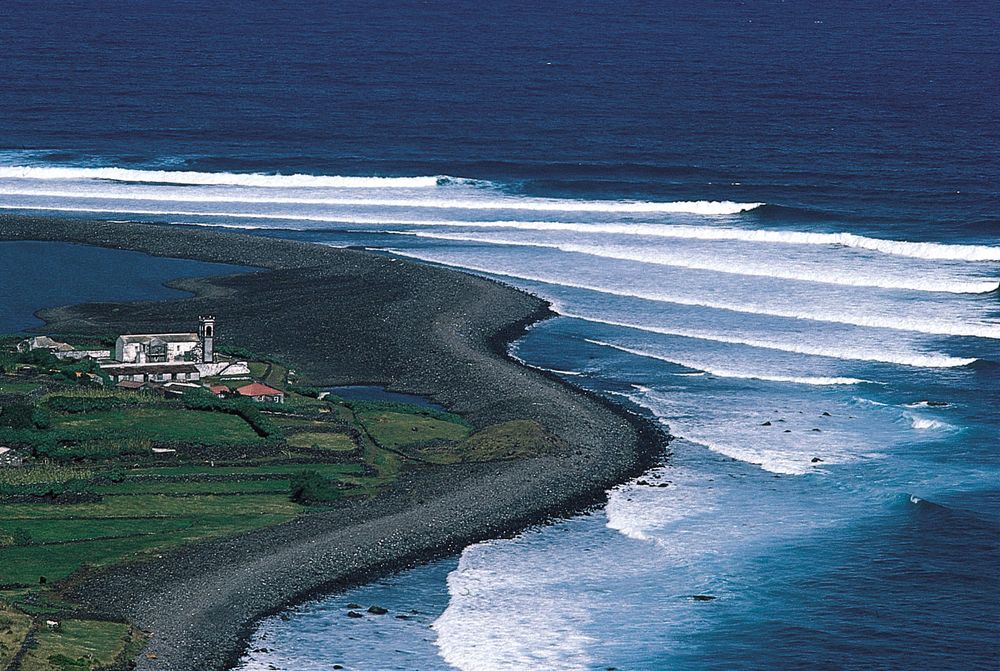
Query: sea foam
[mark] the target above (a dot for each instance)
(664, 257)
(899, 323)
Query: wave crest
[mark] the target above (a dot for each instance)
(221, 178)
(931, 360)
(739, 375)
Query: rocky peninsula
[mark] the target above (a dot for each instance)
(348, 317)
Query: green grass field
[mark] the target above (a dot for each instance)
(121, 528)
(161, 425)
(395, 429)
(13, 628)
(8, 386)
(80, 645)
(336, 442)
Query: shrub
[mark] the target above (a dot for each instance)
(310, 487)
(17, 415)
(77, 404)
(311, 392)
(41, 418)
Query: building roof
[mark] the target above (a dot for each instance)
(165, 337)
(258, 389)
(129, 384)
(45, 342)
(154, 368)
(219, 389)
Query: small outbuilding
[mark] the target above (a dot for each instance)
(8, 457)
(261, 392)
(131, 385)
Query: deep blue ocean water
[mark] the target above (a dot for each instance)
(772, 226)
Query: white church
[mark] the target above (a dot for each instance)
(170, 357)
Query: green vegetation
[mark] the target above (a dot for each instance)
(516, 439)
(14, 628)
(166, 426)
(81, 645)
(337, 442)
(14, 387)
(311, 487)
(113, 476)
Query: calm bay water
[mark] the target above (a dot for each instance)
(771, 226)
(38, 275)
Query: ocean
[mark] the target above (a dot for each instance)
(772, 227)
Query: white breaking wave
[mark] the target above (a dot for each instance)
(922, 250)
(914, 359)
(498, 617)
(662, 257)
(982, 330)
(741, 375)
(924, 423)
(704, 207)
(219, 178)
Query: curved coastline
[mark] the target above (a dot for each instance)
(349, 317)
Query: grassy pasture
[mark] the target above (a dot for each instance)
(396, 430)
(336, 442)
(162, 425)
(14, 627)
(81, 645)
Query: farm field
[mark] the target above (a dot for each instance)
(107, 476)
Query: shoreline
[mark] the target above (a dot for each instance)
(406, 326)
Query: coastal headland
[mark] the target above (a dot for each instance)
(348, 317)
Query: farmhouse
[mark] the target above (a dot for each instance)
(60, 350)
(43, 342)
(261, 392)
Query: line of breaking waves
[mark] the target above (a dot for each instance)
(662, 257)
(702, 207)
(221, 178)
(934, 251)
(946, 328)
(740, 375)
(916, 359)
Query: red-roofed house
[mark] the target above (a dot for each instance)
(261, 392)
(219, 390)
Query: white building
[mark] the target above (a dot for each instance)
(171, 357)
(158, 348)
(168, 347)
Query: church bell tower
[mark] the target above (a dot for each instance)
(206, 331)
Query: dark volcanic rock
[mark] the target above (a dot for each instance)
(377, 610)
(354, 614)
(703, 597)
